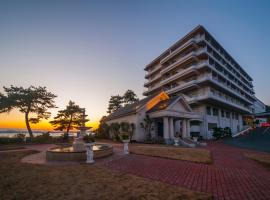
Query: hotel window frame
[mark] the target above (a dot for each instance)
(208, 110)
(215, 111)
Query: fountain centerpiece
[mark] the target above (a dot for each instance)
(79, 144)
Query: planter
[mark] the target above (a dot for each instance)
(176, 141)
(126, 151)
(89, 153)
(195, 139)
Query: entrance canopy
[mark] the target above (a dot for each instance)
(175, 107)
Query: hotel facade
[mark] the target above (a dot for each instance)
(209, 87)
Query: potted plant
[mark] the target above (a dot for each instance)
(176, 139)
(125, 139)
(90, 142)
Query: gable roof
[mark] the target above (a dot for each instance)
(163, 104)
(128, 109)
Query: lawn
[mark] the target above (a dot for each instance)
(177, 153)
(43, 182)
(260, 158)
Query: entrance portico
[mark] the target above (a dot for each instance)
(175, 119)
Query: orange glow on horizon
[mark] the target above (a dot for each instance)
(15, 120)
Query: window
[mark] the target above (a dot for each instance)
(222, 113)
(227, 114)
(215, 111)
(236, 116)
(208, 110)
(211, 126)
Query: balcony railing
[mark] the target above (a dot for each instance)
(192, 54)
(192, 41)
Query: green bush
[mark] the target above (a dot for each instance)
(88, 138)
(44, 138)
(218, 132)
(227, 132)
(124, 136)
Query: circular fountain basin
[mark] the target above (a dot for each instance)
(68, 153)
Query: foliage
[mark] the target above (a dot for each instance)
(124, 126)
(44, 138)
(220, 132)
(227, 132)
(20, 137)
(124, 136)
(103, 131)
(115, 129)
(68, 119)
(34, 101)
(129, 97)
(147, 126)
(217, 132)
(115, 103)
(89, 138)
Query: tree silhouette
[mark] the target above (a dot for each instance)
(130, 97)
(115, 103)
(34, 102)
(67, 119)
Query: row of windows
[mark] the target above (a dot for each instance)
(215, 112)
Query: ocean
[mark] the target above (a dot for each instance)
(14, 132)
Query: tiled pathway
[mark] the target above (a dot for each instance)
(231, 176)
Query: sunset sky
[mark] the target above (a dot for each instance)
(86, 51)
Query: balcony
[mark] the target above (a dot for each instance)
(192, 41)
(151, 89)
(227, 78)
(182, 87)
(152, 80)
(192, 54)
(214, 97)
(242, 76)
(153, 71)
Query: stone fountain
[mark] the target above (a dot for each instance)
(79, 144)
(80, 151)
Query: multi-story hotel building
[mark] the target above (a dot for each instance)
(211, 81)
(192, 87)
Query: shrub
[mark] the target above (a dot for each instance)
(124, 136)
(227, 132)
(218, 132)
(89, 138)
(44, 138)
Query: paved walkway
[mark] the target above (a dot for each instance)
(232, 176)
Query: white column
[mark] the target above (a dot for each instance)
(171, 122)
(166, 129)
(184, 128)
(188, 127)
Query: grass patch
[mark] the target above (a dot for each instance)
(260, 158)
(27, 181)
(177, 153)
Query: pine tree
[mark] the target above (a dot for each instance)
(34, 102)
(68, 118)
(115, 103)
(130, 97)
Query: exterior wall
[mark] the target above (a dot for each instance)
(136, 119)
(214, 74)
(129, 119)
